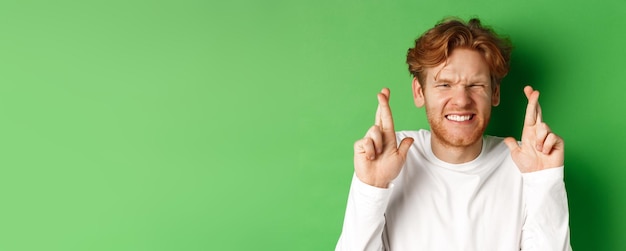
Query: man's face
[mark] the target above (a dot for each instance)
(458, 97)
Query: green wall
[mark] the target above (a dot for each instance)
(228, 125)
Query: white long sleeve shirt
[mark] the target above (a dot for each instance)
(485, 204)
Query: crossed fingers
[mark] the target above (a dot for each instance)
(545, 139)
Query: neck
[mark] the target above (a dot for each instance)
(455, 154)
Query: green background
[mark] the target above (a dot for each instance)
(228, 125)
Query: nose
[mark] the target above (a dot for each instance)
(461, 97)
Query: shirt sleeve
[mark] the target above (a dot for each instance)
(364, 220)
(546, 226)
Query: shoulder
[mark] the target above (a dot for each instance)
(421, 141)
(419, 134)
(494, 142)
(421, 137)
(495, 145)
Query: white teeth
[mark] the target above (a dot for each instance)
(459, 118)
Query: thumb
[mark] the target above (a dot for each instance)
(405, 144)
(511, 143)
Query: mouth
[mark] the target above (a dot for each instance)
(460, 118)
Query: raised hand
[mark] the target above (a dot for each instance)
(377, 157)
(541, 148)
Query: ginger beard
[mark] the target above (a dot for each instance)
(457, 136)
(458, 96)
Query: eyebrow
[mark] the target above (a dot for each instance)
(472, 79)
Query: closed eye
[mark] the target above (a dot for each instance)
(476, 86)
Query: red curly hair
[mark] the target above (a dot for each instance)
(435, 46)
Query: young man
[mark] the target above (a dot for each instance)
(451, 188)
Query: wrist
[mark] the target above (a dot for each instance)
(374, 182)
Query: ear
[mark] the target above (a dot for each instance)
(495, 96)
(418, 94)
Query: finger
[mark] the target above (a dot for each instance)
(385, 111)
(385, 91)
(542, 130)
(552, 141)
(404, 147)
(375, 134)
(539, 113)
(539, 117)
(528, 90)
(512, 144)
(365, 146)
(531, 109)
(378, 122)
(358, 146)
